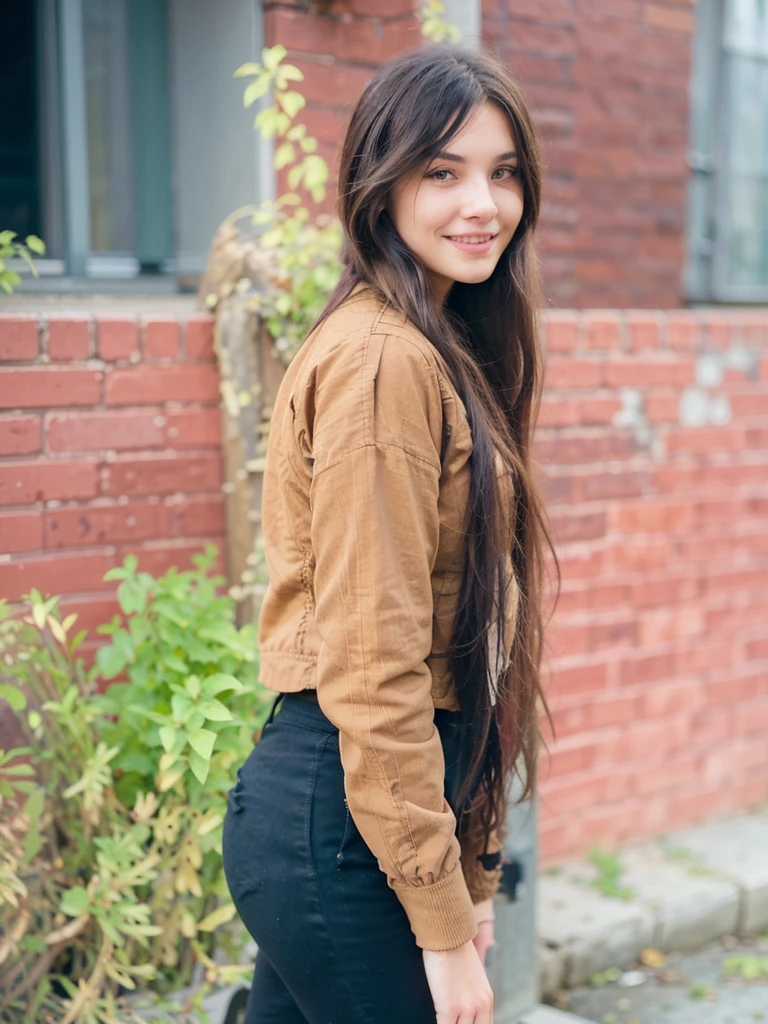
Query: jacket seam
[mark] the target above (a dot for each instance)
(413, 452)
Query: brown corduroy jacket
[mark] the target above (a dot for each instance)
(364, 514)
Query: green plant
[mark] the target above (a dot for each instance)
(747, 966)
(609, 869)
(606, 977)
(304, 247)
(434, 25)
(111, 814)
(11, 249)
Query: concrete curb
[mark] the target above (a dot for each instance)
(683, 891)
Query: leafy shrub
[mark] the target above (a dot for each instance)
(111, 815)
(11, 249)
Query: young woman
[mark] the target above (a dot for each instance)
(404, 535)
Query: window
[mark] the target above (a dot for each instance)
(126, 143)
(728, 190)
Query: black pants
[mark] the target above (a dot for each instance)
(334, 943)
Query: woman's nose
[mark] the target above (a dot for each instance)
(478, 202)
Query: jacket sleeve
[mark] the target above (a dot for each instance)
(374, 533)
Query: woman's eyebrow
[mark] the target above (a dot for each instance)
(511, 155)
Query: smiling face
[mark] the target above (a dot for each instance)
(459, 212)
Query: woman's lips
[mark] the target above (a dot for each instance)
(460, 241)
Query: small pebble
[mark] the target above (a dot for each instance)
(631, 978)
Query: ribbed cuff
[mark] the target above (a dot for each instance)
(441, 915)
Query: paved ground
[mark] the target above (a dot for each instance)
(688, 988)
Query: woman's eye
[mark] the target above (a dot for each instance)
(509, 172)
(438, 174)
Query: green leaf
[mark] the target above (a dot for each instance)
(291, 102)
(168, 735)
(201, 741)
(175, 663)
(75, 901)
(200, 766)
(272, 56)
(15, 697)
(247, 69)
(294, 176)
(6, 237)
(35, 245)
(218, 916)
(285, 155)
(219, 682)
(192, 685)
(255, 90)
(290, 73)
(215, 711)
(110, 661)
(153, 716)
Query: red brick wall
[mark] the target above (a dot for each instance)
(110, 443)
(608, 83)
(657, 664)
(338, 51)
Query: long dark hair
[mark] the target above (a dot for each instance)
(488, 337)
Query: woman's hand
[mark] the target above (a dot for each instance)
(459, 985)
(484, 917)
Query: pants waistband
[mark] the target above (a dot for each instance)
(302, 705)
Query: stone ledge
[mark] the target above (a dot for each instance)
(686, 889)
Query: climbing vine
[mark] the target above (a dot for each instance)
(304, 246)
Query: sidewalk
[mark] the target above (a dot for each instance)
(670, 895)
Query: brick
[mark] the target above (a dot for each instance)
(195, 427)
(118, 339)
(18, 338)
(585, 448)
(647, 372)
(384, 8)
(682, 331)
(597, 713)
(670, 19)
(91, 611)
(157, 557)
(196, 517)
(98, 431)
(561, 332)
(332, 84)
(161, 339)
(23, 483)
(605, 486)
(643, 332)
(96, 525)
(371, 40)
(20, 531)
(42, 387)
(20, 435)
(200, 338)
(574, 373)
(150, 385)
(69, 337)
(646, 517)
(670, 624)
(56, 574)
(572, 527)
(160, 475)
(603, 330)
